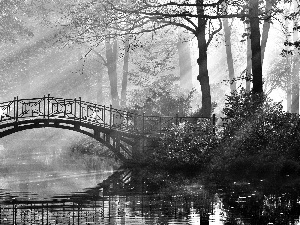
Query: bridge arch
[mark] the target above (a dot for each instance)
(121, 131)
(106, 137)
(111, 127)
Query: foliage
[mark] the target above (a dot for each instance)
(161, 98)
(243, 104)
(92, 154)
(154, 56)
(279, 74)
(186, 145)
(89, 146)
(261, 140)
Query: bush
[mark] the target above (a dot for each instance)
(161, 98)
(91, 153)
(90, 146)
(185, 145)
(260, 140)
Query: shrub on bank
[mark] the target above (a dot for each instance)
(185, 145)
(91, 153)
(260, 141)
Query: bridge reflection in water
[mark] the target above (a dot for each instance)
(127, 198)
(123, 198)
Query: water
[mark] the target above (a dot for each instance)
(41, 183)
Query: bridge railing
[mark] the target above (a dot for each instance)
(161, 124)
(49, 107)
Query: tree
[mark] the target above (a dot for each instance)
(92, 28)
(255, 47)
(157, 16)
(227, 32)
(111, 47)
(296, 66)
(125, 71)
(264, 38)
(185, 62)
(195, 17)
(266, 27)
(154, 56)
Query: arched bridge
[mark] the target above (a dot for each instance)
(121, 131)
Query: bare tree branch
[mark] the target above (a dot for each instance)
(214, 32)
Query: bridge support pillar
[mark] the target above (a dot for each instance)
(77, 126)
(96, 133)
(137, 150)
(144, 148)
(118, 142)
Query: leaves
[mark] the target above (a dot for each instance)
(186, 144)
(259, 133)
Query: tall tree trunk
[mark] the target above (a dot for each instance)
(99, 86)
(249, 64)
(185, 62)
(227, 30)
(289, 65)
(295, 86)
(111, 57)
(295, 73)
(125, 71)
(266, 28)
(83, 73)
(203, 77)
(289, 88)
(255, 47)
(249, 56)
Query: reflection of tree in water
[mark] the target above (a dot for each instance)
(136, 196)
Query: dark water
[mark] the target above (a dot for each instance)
(44, 184)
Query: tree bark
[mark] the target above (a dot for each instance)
(295, 86)
(249, 64)
(255, 47)
(111, 56)
(266, 28)
(125, 71)
(289, 88)
(99, 92)
(185, 63)
(295, 73)
(203, 77)
(227, 31)
(288, 62)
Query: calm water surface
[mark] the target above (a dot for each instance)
(42, 183)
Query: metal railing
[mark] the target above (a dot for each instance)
(75, 109)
